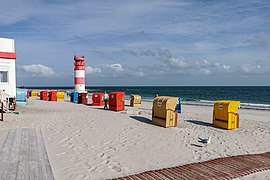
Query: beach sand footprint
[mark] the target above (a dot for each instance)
(62, 153)
(80, 177)
(102, 155)
(92, 169)
(109, 148)
(105, 162)
(115, 168)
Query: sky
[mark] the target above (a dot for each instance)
(140, 43)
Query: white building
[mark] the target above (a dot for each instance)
(7, 67)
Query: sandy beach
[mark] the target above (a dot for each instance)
(86, 142)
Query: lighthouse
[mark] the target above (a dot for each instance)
(79, 74)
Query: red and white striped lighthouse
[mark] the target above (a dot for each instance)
(79, 74)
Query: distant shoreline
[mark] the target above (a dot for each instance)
(251, 97)
(204, 104)
(91, 87)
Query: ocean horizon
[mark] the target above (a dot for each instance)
(250, 96)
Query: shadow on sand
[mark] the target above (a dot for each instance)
(196, 145)
(142, 119)
(200, 123)
(90, 105)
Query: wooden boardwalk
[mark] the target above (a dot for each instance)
(24, 156)
(221, 168)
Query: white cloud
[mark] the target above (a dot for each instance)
(90, 70)
(177, 63)
(38, 70)
(261, 39)
(264, 39)
(205, 61)
(205, 71)
(191, 67)
(203, 67)
(170, 64)
(226, 68)
(117, 70)
(247, 68)
(115, 67)
(254, 69)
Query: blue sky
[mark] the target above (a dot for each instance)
(140, 42)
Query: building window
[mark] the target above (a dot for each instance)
(3, 76)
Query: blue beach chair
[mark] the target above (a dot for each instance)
(178, 106)
(21, 98)
(74, 97)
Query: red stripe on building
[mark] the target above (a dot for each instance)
(8, 55)
(79, 68)
(79, 58)
(79, 63)
(79, 80)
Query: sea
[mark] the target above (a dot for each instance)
(254, 97)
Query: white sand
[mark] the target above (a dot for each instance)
(85, 142)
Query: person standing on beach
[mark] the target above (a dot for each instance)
(67, 93)
(105, 99)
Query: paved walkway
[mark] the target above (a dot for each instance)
(24, 156)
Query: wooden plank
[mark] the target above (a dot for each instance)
(14, 155)
(23, 164)
(10, 154)
(220, 168)
(43, 174)
(46, 167)
(24, 156)
(5, 148)
(35, 170)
